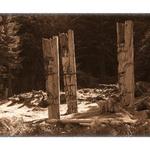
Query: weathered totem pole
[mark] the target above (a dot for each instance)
(51, 59)
(126, 62)
(67, 52)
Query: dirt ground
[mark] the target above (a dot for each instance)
(26, 115)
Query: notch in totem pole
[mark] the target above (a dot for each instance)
(67, 51)
(126, 62)
(51, 64)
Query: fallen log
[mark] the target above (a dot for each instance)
(88, 122)
(83, 122)
(70, 121)
(36, 121)
(91, 121)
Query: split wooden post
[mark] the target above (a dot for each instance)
(126, 62)
(67, 50)
(51, 59)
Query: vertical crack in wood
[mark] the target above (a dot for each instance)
(51, 59)
(69, 70)
(126, 62)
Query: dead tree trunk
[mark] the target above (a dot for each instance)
(51, 59)
(126, 62)
(67, 49)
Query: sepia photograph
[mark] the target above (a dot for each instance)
(74, 75)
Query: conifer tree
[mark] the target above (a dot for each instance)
(10, 59)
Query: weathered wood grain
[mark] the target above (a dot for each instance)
(126, 62)
(51, 59)
(67, 50)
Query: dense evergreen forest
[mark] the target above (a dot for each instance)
(21, 57)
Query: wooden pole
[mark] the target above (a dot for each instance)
(51, 58)
(126, 62)
(67, 49)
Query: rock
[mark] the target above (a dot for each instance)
(85, 90)
(89, 99)
(99, 98)
(43, 104)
